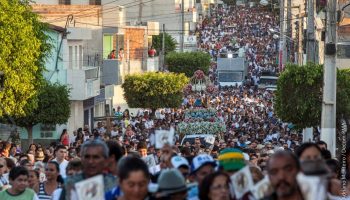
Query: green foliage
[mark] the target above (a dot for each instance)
(188, 62)
(24, 47)
(53, 107)
(154, 90)
(343, 93)
(299, 94)
(170, 43)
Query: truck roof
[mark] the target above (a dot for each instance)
(228, 64)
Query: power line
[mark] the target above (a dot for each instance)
(103, 11)
(86, 9)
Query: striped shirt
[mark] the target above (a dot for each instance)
(42, 193)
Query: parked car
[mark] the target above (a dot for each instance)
(206, 140)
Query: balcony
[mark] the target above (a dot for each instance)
(110, 72)
(84, 82)
(153, 64)
(75, 33)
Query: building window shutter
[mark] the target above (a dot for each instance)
(64, 2)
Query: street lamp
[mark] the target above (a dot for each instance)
(276, 35)
(282, 37)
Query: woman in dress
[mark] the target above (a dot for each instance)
(53, 181)
(64, 138)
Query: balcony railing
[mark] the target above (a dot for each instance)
(84, 83)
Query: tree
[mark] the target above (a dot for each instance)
(299, 95)
(188, 62)
(53, 108)
(170, 43)
(154, 90)
(24, 47)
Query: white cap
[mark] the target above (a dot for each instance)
(201, 160)
(178, 161)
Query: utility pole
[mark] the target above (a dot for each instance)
(182, 34)
(311, 46)
(163, 49)
(140, 12)
(300, 38)
(328, 120)
(282, 49)
(289, 30)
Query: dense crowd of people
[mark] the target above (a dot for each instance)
(255, 144)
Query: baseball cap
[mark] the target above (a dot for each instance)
(231, 159)
(179, 161)
(200, 161)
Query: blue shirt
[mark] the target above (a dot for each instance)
(113, 193)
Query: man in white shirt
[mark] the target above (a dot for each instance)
(61, 153)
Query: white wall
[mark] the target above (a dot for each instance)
(76, 119)
(118, 100)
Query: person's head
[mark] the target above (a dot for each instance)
(134, 177)
(52, 170)
(171, 190)
(32, 147)
(23, 157)
(27, 164)
(33, 177)
(202, 165)
(282, 168)
(3, 166)
(60, 152)
(322, 144)
(9, 164)
(181, 164)
(115, 154)
(93, 157)
(334, 167)
(39, 155)
(215, 186)
(64, 131)
(256, 174)
(74, 167)
(142, 149)
(13, 150)
(18, 178)
(308, 151)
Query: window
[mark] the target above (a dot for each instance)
(343, 51)
(64, 2)
(107, 45)
(76, 57)
(95, 2)
(46, 130)
(80, 56)
(70, 57)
